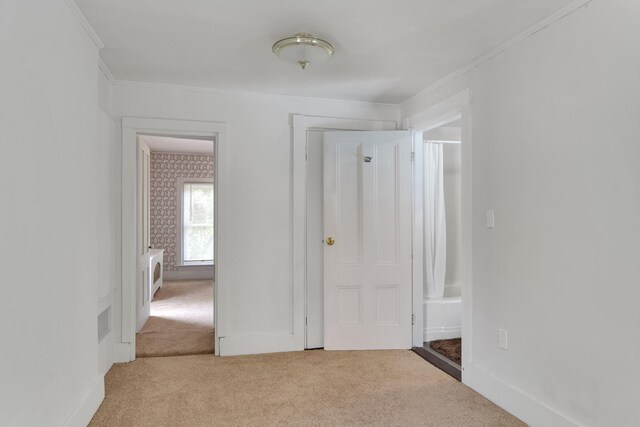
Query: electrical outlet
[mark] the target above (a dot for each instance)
(502, 339)
(491, 219)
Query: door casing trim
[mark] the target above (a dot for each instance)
(300, 125)
(131, 128)
(455, 107)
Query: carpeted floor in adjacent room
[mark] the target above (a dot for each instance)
(181, 321)
(306, 388)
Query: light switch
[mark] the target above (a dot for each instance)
(491, 219)
(502, 339)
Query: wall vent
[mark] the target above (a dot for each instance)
(156, 272)
(104, 323)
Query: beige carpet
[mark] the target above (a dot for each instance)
(312, 388)
(181, 320)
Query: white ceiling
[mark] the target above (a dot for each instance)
(386, 51)
(177, 145)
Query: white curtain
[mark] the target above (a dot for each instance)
(435, 222)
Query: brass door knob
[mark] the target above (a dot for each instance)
(330, 241)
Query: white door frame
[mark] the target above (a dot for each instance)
(131, 128)
(143, 219)
(301, 124)
(453, 108)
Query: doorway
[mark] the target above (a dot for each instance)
(176, 239)
(308, 261)
(182, 224)
(316, 244)
(442, 258)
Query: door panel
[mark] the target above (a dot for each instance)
(367, 209)
(349, 203)
(385, 204)
(387, 304)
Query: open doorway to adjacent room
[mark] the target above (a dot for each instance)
(443, 246)
(176, 212)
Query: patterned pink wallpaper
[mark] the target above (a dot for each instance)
(166, 168)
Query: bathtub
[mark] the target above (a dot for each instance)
(442, 318)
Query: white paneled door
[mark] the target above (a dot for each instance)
(367, 240)
(144, 295)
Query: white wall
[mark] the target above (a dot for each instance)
(257, 238)
(48, 221)
(108, 216)
(556, 149)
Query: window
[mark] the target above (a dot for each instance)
(197, 221)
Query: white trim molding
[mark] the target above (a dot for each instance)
(95, 38)
(194, 272)
(517, 402)
(566, 10)
(301, 124)
(440, 113)
(89, 405)
(417, 238)
(219, 91)
(106, 71)
(123, 352)
(457, 107)
(131, 128)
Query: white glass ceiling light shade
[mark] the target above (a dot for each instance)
(303, 49)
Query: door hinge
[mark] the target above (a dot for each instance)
(413, 319)
(306, 320)
(413, 156)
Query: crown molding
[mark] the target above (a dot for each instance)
(169, 86)
(106, 71)
(85, 23)
(218, 91)
(556, 16)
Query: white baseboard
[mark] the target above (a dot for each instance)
(83, 414)
(123, 352)
(191, 274)
(105, 354)
(443, 333)
(517, 402)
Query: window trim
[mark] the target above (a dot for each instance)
(180, 182)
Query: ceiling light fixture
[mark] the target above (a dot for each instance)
(303, 49)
